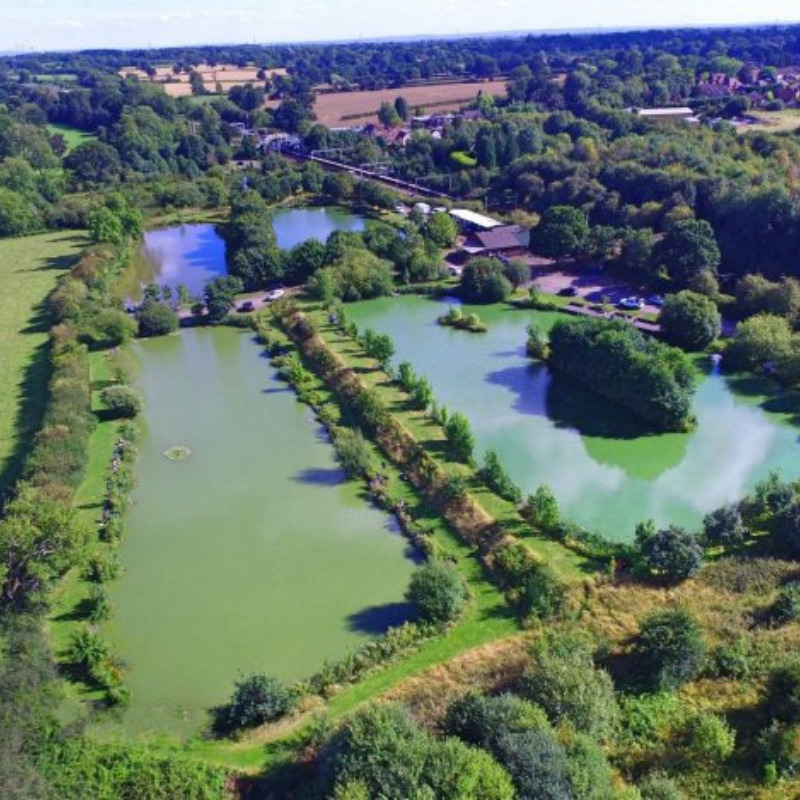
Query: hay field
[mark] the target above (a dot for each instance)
(227, 75)
(354, 108)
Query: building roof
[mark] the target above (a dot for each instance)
(677, 111)
(478, 220)
(506, 237)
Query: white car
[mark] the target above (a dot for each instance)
(274, 294)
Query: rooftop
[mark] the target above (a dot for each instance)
(478, 220)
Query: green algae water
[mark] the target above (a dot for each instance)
(607, 470)
(250, 551)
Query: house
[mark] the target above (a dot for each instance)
(504, 241)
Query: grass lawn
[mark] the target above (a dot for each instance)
(786, 121)
(29, 268)
(72, 136)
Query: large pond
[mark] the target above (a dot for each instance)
(251, 554)
(194, 254)
(607, 471)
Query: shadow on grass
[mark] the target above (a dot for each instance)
(376, 620)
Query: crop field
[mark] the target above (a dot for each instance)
(342, 108)
(29, 268)
(225, 75)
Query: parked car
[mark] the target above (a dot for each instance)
(568, 291)
(246, 307)
(274, 294)
(656, 300)
(631, 303)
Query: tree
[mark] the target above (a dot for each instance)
(94, 164)
(378, 346)
(460, 439)
(673, 553)
(401, 107)
(493, 474)
(669, 650)
(537, 764)
(541, 509)
(40, 539)
(219, 296)
(441, 229)
(106, 227)
(563, 231)
(762, 339)
(438, 591)
(156, 318)
(387, 115)
(517, 272)
(483, 281)
(689, 247)
(121, 401)
(542, 596)
(690, 320)
(724, 527)
(256, 699)
(565, 682)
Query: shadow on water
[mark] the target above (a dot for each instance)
(770, 396)
(320, 477)
(376, 620)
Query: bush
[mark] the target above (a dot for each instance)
(113, 327)
(782, 695)
(353, 453)
(438, 591)
(497, 479)
(690, 320)
(543, 595)
(658, 786)
(256, 699)
(669, 650)
(99, 603)
(709, 739)
(541, 509)
(787, 604)
(590, 773)
(565, 682)
(121, 402)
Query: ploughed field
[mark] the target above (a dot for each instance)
(607, 469)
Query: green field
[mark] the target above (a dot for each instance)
(73, 136)
(29, 268)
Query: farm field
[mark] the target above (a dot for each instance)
(226, 75)
(29, 268)
(786, 121)
(362, 107)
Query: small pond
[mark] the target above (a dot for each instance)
(194, 254)
(606, 469)
(252, 553)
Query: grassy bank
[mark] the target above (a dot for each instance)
(29, 268)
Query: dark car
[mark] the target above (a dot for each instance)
(246, 307)
(568, 291)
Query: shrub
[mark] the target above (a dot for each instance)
(113, 327)
(732, 660)
(438, 591)
(88, 649)
(590, 773)
(256, 699)
(103, 567)
(99, 603)
(537, 345)
(782, 695)
(353, 453)
(787, 604)
(543, 595)
(497, 479)
(658, 786)
(541, 509)
(121, 402)
(669, 650)
(565, 682)
(709, 739)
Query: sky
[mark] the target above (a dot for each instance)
(78, 24)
